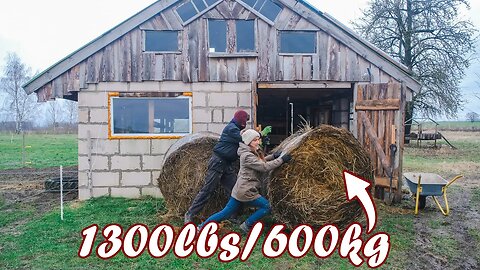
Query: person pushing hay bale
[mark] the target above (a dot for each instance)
(183, 173)
(310, 189)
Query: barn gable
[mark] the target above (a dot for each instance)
(119, 55)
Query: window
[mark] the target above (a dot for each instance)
(235, 36)
(298, 42)
(245, 35)
(161, 41)
(190, 9)
(217, 32)
(145, 116)
(187, 11)
(267, 8)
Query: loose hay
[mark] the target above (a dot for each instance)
(310, 189)
(183, 175)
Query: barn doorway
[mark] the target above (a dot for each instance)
(286, 109)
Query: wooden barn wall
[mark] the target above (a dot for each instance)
(125, 61)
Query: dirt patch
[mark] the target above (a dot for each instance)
(445, 242)
(22, 193)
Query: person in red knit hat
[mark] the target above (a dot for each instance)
(220, 169)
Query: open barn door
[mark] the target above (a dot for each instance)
(379, 112)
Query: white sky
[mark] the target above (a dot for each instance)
(43, 32)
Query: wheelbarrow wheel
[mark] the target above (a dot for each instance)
(422, 202)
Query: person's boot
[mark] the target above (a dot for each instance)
(187, 218)
(245, 228)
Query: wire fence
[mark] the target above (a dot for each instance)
(44, 189)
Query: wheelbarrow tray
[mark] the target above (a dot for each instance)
(429, 184)
(432, 184)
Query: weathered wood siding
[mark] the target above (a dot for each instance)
(124, 59)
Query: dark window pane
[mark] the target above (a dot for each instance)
(270, 10)
(130, 115)
(250, 2)
(259, 4)
(245, 36)
(217, 32)
(297, 42)
(211, 2)
(199, 4)
(186, 11)
(165, 41)
(170, 115)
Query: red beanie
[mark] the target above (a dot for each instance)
(241, 117)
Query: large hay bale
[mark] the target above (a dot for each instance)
(310, 189)
(183, 174)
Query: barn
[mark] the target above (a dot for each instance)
(184, 66)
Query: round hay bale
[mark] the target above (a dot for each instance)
(183, 174)
(310, 189)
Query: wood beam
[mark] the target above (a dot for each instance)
(378, 105)
(304, 85)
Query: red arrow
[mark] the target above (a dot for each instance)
(355, 186)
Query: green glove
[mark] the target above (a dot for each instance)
(266, 131)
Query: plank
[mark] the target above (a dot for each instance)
(307, 68)
(288, 68)
(159, 68)
(373, 138)
(378, 105)
(203, 52)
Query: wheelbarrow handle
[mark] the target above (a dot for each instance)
(453, 180)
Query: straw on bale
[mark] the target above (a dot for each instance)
(183, 174)
(310, 189)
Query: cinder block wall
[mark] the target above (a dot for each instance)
(130, 167)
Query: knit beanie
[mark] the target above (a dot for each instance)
(241, 117)
(249, 135)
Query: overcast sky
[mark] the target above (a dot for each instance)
(43, 32)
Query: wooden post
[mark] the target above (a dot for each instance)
(89, 173)
(23, 148)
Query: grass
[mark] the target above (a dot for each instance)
(42, 150)
(453, 125)
(46, 242)
(447, 161)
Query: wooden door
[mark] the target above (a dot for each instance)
(380, 116)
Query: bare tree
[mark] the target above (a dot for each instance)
(55, 113)
(72, 110)
(430, 38)
(18, 102)
(473, 116)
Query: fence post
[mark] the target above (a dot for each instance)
(61, 192)
(23, 148)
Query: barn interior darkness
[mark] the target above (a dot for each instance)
(315, 106)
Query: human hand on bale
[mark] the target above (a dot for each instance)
(277, 154)
(286, 158)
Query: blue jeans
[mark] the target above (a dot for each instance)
(233, 205)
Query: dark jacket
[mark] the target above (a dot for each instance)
(227, 146)
(251, 170)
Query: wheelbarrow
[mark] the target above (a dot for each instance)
(429, 184)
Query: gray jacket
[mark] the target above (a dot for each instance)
(251, 169)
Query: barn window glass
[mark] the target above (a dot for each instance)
(146, 116)
(188, 10)
(217, 33)
(161, 41)
(245, 35)
(267, 8)
(298, 42)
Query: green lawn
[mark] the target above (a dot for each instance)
(41, 151)
(446, 161)
(46, 242)
(451, 125)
